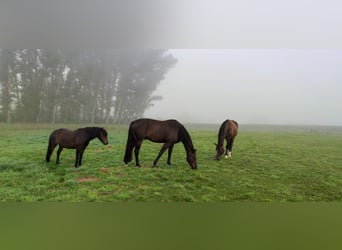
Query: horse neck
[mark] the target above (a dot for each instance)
(185, 138)
(221, 134)
(92, 132)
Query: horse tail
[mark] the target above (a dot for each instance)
(50, 148)
(129, 146)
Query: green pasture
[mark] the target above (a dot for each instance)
(269, 163)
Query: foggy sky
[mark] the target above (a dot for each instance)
(190, 24)
(261, 86)
(272, 84)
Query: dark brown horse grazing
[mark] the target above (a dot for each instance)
(228, 131)
(168, 132)
(78, 139)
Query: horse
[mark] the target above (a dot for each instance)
(168, 132)
(78, 139)
(228, 130)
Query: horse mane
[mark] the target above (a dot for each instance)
(93, 131)
(185, 138)
(221, 133)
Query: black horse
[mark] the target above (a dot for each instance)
(168, 132)
(228, 131)
(78, 139)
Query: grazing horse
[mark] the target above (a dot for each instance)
(78, 139)
(168, 132)
(228, 131)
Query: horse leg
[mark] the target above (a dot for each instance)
(162, 150)
(78, 156)
(81, 157)
(227, 150)
(226, 154)
(169, 154)
(59, 151)
(136, 153)
(229, 147)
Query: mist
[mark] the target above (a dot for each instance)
(261, 86)
(268, 62)
(79, 86)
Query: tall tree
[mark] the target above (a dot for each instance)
(32, 84)
(87, 86)
(140, 73)
(7, 75)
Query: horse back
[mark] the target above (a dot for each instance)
(154, 130)
(228, 129)
(63, 137)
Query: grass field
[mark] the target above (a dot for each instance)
(269, 163)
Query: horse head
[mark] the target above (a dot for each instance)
(103, 136)
(219, 151)
(191, 158)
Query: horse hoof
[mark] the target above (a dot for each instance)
(226, 156)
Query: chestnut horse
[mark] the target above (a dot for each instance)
(228, 131)
(78, 139)
(168, 132)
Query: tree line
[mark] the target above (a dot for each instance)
(79, 86)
